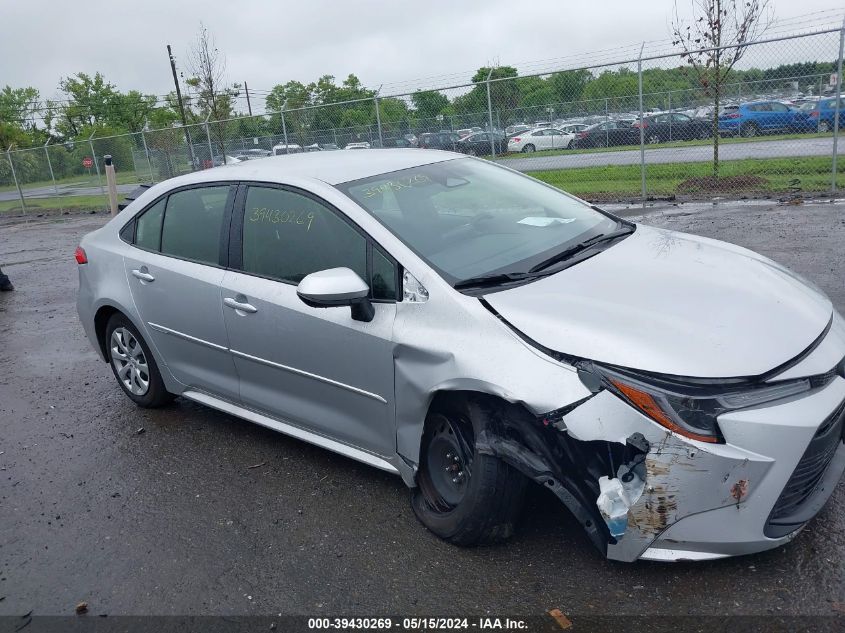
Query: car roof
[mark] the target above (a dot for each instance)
(330, 167)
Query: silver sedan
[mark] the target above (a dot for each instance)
(474, 330)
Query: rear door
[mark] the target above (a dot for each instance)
(781, 116)
(174, 273)
(316, 368)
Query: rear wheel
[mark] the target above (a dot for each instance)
(133, 365)
(463, 496)
(653, 139)
(749, 130)
(528, 149)
(703, 133)
(824, 126)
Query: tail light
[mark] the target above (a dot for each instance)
(79, 254)
(516, 139)
(582, 134)
(638, 124)
(733, 115)
(814, 114)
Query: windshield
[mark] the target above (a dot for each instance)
(469, 217)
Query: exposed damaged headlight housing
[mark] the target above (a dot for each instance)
(691, 408)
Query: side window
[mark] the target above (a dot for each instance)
(192, 223)
(288, 236)
(148, 233)
(383, 281)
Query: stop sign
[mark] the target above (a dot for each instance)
(87, 162)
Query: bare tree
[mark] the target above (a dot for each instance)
(207, 67)
(714, 41)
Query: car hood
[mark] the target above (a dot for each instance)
(672, 303)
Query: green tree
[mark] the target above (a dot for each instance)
(429, 103)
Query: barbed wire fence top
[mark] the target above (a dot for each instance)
(637, 128)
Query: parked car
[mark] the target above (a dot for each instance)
(439, 140)
(218, 160)
(607, 134)
(252, 154)
(512, 130)
(290, 148)
(467, 131)
(478, 144)
(359, 145)
(473, 330)
(755, 118)
(542, 138)
(819, 116)
(672, 126)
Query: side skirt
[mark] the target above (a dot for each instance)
(289, 429)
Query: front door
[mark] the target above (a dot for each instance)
(174, 276)
(316, 368)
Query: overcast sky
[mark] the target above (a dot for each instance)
(270, 42)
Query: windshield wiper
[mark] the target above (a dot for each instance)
(581, 246)
(495, 279)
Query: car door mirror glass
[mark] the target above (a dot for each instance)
(337, 287)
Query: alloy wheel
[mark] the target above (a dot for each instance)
(129, 362)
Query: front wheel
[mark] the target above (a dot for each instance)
(463, 496)
(749, 130)
(133, 365)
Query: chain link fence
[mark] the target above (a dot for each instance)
(633, 130)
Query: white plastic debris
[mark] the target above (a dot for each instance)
(615, 497)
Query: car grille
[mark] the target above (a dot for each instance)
(810, 470)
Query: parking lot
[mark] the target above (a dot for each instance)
(189, 511)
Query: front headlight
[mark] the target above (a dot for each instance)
(690, 407)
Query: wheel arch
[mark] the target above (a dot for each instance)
(102, 314)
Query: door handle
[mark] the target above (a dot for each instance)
(143, 274)
(242, 306)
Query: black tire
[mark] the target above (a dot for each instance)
(749, 130)
(653, 139)
(824, 127)
(482, 507)
(155, 395)
(528, 149)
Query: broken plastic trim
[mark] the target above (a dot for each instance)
(541, 449)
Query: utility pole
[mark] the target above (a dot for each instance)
(176, 82)
(182, 108)
(248, 104)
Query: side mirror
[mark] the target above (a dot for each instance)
(337, 287)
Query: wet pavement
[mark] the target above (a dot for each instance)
(188, 511)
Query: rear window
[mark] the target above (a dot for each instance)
(192, 224)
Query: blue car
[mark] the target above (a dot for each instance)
(818, 116)
(755, 118)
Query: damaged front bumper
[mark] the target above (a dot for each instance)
(684, 499)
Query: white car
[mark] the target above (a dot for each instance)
(362, 145)
(545, 138)
(290, 148)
